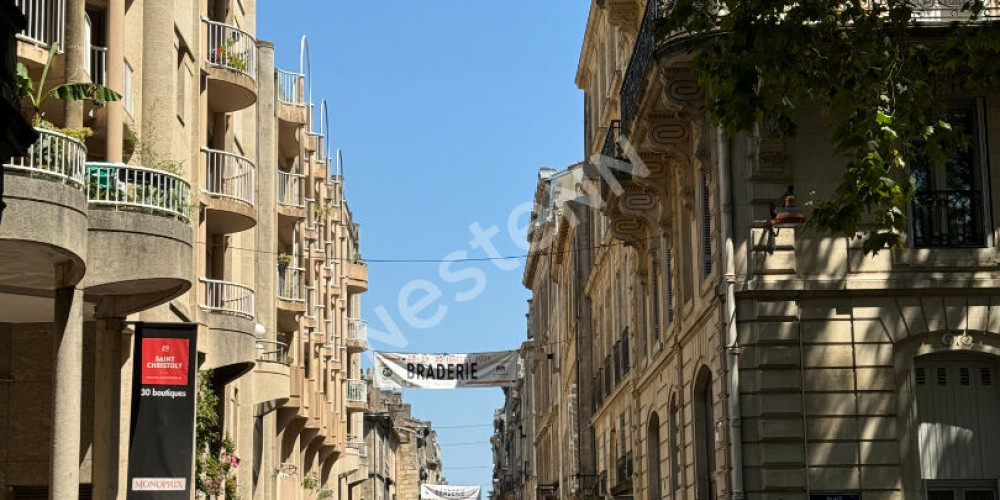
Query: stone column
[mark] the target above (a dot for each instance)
(107, 408)
(76, 48)
(67, 342)
(116, 77)
(159, 60)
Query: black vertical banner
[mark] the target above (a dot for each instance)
(161, 441)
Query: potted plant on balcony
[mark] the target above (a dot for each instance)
(225, 56)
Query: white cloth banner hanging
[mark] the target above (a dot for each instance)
(448, 492)
(394, 370)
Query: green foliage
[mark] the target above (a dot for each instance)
(215, 460)
(862, 65)
(226, 56)
(310, 481)
(70, 91)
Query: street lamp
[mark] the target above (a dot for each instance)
(789, 215)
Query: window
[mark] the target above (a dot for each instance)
(668, 288)
(643, 322)
(654, 297)
(128, 100)
(653, 457)
(706, 225)
(674, 438)
(949, 208)
(704, 435)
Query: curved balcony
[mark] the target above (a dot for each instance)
(356, 272)
(291, 98)
(357, 335)
(291, 200)
(231, 57)
(43, 238)
(272, 375)
(291, 297)
(229, 314)
(139, 243)
(229, 186)
(357, 395)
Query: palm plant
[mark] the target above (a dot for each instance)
(70, 91)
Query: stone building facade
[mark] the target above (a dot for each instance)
(730, 359)
(208, 194)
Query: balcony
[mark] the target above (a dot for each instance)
(272, 384)
(55, 156)
(291, 200)
(290, 283)
(46, 25)
(292, 109)
(229, 186)
(231, 57)
(357, 395)
(139, 243)
(357, 335)
(229, 315)
(357, 275)
(45, 224)
(227, 298)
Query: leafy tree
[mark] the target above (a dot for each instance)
(866, 65)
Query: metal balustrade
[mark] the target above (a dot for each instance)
(46, 22)
(229, 175)
(231, 48)
(272, 351)
(290, 189)
(53, 155)
(357, 329)
(290, 283)
(948, 219)
(141, 189)
(97, 65)
(291, 88)
(357, 391)
(228, 298)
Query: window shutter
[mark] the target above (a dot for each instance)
(706, 225)
(655, 297)
(668, 288)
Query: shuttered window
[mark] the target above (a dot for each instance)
(706, 225)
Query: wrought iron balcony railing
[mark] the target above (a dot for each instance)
(948, 219)
(140, 189)
(53, 155)
(228, 298)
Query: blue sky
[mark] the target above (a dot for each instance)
(445, 110)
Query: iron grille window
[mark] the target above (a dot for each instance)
(948, 207)
(668, 288)
(706, 225)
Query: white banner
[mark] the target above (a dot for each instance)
(448, 492)
(394, 370)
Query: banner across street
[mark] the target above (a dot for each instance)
(395, 370)
(448, 492)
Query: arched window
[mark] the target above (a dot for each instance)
(653, 457)
(704, 435)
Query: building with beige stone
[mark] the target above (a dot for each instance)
(208, 194)
(399, 452)
(729, 359)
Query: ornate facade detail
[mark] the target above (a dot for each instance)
(623, 14)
